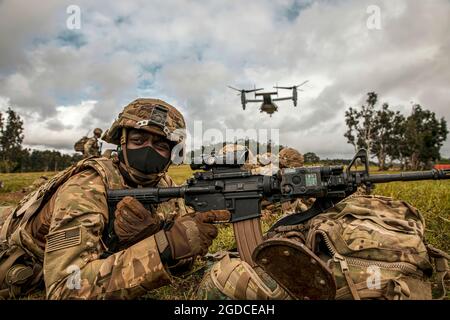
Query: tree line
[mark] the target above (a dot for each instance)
(414, 141)
(15, 158)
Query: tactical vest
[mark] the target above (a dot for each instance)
(21, 259)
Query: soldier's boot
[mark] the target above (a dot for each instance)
(296, 268)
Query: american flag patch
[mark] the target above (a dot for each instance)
(63, 239)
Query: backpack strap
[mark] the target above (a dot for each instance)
(345, 271)
(32, 203)
(391, 289)
(111, 176)
(4, 230)
(442, 270)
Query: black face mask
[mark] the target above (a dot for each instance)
(145, 160)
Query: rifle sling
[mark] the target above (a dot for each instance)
(319, 206)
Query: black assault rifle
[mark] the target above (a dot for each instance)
(225, 185)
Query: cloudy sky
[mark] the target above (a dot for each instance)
(64, 82)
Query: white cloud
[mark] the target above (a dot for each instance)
(187, 52)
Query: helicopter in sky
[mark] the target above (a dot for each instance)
(268, 103)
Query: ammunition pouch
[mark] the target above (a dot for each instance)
(20, 273)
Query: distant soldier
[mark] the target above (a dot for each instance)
(93, 147)
(269, 164)
(239, 149)
(291, 158)
(90, 146)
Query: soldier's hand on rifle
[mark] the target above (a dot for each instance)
(133, 222)
(190, 236)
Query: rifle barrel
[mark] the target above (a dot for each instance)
(410, 176)
(156, 195)
(146, 194)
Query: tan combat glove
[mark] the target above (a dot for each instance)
(189, 236)
(133, 222)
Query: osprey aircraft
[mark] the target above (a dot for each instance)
(268, 103)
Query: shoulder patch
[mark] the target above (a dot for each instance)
(63, 239)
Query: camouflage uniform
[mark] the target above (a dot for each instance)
(92, 145)
(55, 235)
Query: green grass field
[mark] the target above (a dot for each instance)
(432, 198)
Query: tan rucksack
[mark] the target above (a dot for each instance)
(376, 250)
(79, 145)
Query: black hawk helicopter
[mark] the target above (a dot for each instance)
(268, 105)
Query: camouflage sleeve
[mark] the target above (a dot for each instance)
(73, 268)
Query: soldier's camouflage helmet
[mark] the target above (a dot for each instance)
(152, 115)
(290, 157)
(267, 158)
(232, 147)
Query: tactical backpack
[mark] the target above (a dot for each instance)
(375, 247)
(21, 258)
(79, 145)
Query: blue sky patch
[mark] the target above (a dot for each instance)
(294, 10)
(71, 38)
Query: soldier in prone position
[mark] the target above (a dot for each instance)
(56, 238)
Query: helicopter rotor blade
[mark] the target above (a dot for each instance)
(304, 82)
(234, 88)
(253, 90)
(245, 91)
(287, 88)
